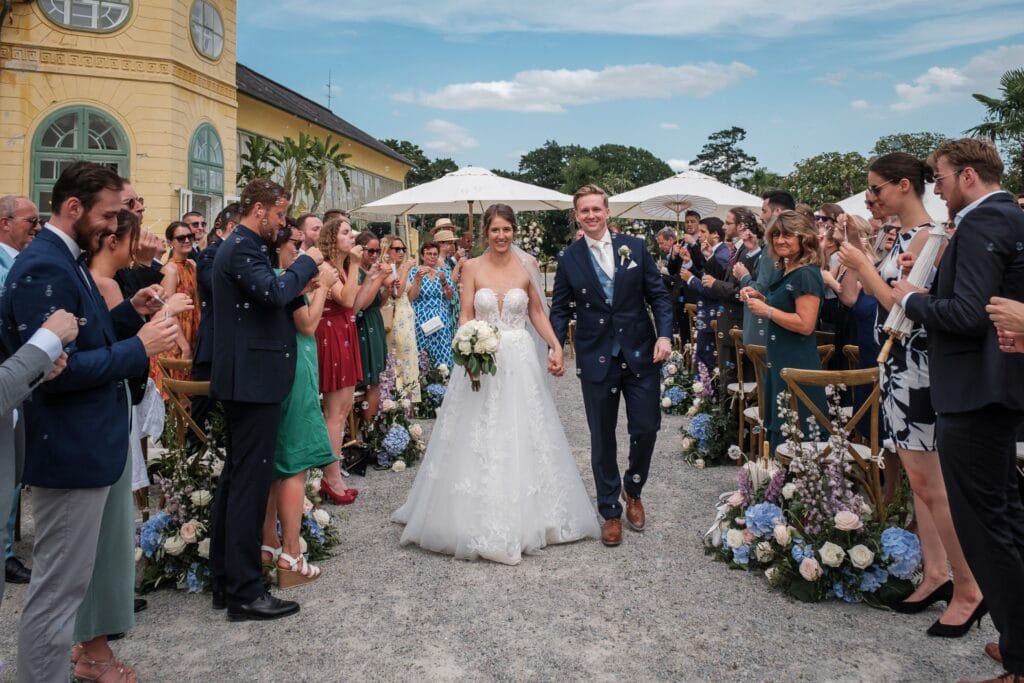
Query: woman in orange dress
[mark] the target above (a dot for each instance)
(179, 277)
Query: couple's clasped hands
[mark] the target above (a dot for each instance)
(556, 362)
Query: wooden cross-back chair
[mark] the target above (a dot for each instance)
(852, 353)
(863, 457)
(690, 345)
(179, 391)
(741, 390)
(753, 415)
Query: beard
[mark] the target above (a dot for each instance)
(88, 235)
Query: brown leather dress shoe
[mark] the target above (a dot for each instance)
(635, 516)
(992, 650)
(611, 532)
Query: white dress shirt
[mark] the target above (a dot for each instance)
(602, 249)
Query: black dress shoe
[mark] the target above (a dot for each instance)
(220, 600)
(943, 593)
(140, 605)
(263, 608)
(16, 572)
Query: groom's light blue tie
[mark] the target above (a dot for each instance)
(609, 289)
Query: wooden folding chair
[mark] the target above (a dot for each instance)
(740, 390)
(754, 415)
(863, 457)
(690, 347)
(825, 352)
(178, 392)
(852, 353)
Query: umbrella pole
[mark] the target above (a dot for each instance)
(470, 205)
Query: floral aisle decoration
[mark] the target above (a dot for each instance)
(393, 439)
(474, 348)
(676, 386)
(530, 237)
(710, 435)
(317, 534)
(806, 528)
(433, 385)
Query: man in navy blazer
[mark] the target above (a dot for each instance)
(76, 426)
(253, 367)
(978, 392)
(613, 280)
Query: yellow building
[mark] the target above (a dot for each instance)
(153, 89)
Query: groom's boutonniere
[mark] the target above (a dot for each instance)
(624, 254)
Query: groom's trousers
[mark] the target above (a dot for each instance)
(643, 415)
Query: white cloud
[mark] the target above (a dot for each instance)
(448, 138)
(946, 32)
(678, 165)
(668, 126)
(552, 90)
(941, 84)
(859, 104)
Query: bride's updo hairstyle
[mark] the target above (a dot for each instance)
(502, 211)
(896, 166)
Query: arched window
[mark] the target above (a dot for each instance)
(207, 29)
(205, 172)
(102, 16)
(74, 134)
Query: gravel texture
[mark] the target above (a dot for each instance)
(653, 609)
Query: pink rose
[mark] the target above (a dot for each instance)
(189, 530)
(736, 500)
(307, 505)
(847, 521)
(748, 536)
(810, 569)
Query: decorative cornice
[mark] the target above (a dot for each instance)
(32, 58)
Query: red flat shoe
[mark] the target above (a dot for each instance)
(345, 498)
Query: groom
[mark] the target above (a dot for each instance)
(612, 280)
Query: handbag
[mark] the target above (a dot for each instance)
(432, 325)
(388, 315)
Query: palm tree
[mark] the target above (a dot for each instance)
(325, 158)
(260, 160)
(1004, 120)
(295, 164)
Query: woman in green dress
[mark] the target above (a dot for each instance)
(790, 304)
(373, 343)
(302, 440)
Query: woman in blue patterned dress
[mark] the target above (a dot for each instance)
(431, 292)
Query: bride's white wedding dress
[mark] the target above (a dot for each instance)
(498, 479)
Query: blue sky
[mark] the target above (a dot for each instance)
(483, 83)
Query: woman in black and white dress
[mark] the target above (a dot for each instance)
(897, 182)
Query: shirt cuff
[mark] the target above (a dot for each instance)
(906, 298)
(692, 278)
(688, 265)
(47, 342)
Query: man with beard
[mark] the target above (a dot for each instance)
(76, 426)
(253, 368)
(978, 392)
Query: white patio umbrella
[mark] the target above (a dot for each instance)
(933, 204)
(673, 206)
(692, 184)
(468, 190)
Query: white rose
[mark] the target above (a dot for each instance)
(465, 348)
(770, 573)
(321, 517)
(788, 491)
(387, 405)
(831, 554)
(175, 545)
(399, 466)
(782, 535)
(861, 556)
(693, 410)
(671, 369)
(138, 554)
(810, 569)
(443, 369)
(687, 443)
(847, 521)
(491, 345)
(201, 498)
(415, 431)
(203, 548)
(217, 467)
(734, 537)
(763, 552)
(699, 463)
(314, 483)
(698, 387)
(189, 531)
(479, 347)
(666, 402)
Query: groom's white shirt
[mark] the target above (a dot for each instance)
(602, 249)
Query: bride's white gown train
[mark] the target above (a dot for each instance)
(498, 478)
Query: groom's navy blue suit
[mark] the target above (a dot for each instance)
(615, 340)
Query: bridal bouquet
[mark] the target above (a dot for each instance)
(474, 347)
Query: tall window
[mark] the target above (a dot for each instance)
(207, 29)
(74, 134)
(206, 171)
(88, 15)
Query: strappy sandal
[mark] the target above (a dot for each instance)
(269, 565)
(121, 671)
(299, 571)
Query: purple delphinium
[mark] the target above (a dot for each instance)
(775, 484)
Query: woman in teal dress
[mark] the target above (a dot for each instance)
(431, 293)
(373, 342)
(302, 440)
(790, 304)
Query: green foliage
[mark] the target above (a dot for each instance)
(828, 177)
(1004, 123)
(259, 161)
(325, 156)
(545, 165)
(722, 157)
(918, 144)
(760, 181)
(424, 169)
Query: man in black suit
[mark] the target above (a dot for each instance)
(673, 262)
(253, 367)
(978, 392)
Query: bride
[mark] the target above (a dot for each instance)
(498, 479)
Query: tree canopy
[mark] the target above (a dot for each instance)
(828, 177)
(918, 144)
(424, 169)
(722, 158)
(1004, 122)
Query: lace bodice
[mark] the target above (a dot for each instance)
(509, 313)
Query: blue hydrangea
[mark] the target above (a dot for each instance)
(193, 582)
(761, 518)
(700, 428)
(902, 550)
(676, 395)
(149, 534)
(396, 440)
(873, 579)
(436, 392)
(741, 555)
(801, 551)
(313, 527)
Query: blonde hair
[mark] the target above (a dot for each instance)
(799, 224)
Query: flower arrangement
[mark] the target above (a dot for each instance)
(810, 533)
(530, 237)
(433, 384)
(676, 386)
(710, 435)
(635, 229)
(474, 347)
(392, 437)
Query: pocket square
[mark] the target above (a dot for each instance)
(632, 264)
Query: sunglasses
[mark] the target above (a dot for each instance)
(372, 251)
(182, 238)
(823, 218)
(939, 178)
(401, 249)
(197, 224)
(135, 201)
(877, 189)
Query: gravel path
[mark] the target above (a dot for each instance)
(653, 609)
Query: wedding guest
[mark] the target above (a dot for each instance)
(253, 370)
(71, 464)
(196, 223)
(670, 264)
(791, 305)
(179, 276)
(897, 182)
(373, 345)
(402, 335)
(302, 440)
(975, 389)
(337, 343)
(747, 270)
(431, 292)
(716, 256)
(145, 268)
(310, 225)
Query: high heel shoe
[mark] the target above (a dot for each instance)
(345, 498)
(943, 593)
(941, 630)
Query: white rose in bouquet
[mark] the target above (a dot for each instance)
(763, 552)
(491, 345)
(203, 548)
(699, 463)
(322, 517)
(788, 491)
(666, 402)
(734, 537)
(175, 545)
(416, 431)
(480, 346)
(398, 466)
(671, 369)
(201, 498)
(698, 387)
(465, 347)
(314, 483)
(782, 535)
(847, 521)
(443, 369)
(810, 569)
(861, 556)
(189, 531)
(831, 554)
